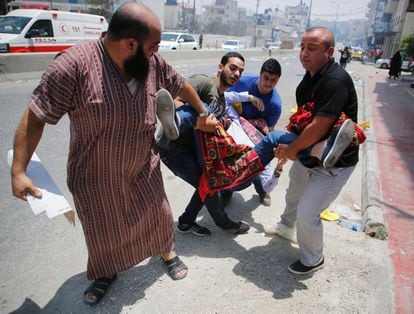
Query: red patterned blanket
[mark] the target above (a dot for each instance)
(227, 164)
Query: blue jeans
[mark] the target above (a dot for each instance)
(188, 117)
(264, 150)
(265, 147)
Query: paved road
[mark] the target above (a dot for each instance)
(43, 261)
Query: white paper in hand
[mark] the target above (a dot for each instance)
(52, 201)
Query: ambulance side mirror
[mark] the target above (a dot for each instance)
(32, 33)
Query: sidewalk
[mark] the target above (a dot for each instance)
(392, 104)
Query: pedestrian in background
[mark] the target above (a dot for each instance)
(395, 65)
(330, 90)
(345, 57)
(108, 89)
(200, 41)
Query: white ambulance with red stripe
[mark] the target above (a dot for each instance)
(30, 30)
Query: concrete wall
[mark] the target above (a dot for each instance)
(15, 63)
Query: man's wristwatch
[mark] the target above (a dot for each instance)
(204, 113)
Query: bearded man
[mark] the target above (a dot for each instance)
(180, 155)
(108, 89)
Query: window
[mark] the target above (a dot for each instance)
(41, 28)
(13, 24)
(188, 38)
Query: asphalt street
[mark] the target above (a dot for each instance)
(43, 261)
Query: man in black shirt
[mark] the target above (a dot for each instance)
(310, 191)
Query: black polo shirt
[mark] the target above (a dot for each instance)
(332, 90)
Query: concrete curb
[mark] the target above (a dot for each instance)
(373, 211)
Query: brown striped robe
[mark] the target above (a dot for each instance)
(113, 168)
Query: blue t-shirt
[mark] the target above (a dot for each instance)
(272, 101)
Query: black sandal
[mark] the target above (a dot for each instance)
(174, 266)
(98, 288)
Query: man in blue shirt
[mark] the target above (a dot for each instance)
(263, 116)
(263, 87)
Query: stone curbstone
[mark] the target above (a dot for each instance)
(373, 211)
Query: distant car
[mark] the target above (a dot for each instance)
(383, 63)
(406, 66)
(177, 41)
(272, 45)
(357, 55)
(232, 44)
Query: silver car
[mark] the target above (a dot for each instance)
(177, 41)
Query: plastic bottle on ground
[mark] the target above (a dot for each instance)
(350, 224)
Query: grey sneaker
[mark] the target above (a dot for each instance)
(239, 227)
(166, 114)
(159, 132)
(193, 228)
(337, 143)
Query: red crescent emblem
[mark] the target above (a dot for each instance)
(63, 28)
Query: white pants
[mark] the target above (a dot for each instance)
(310, 192)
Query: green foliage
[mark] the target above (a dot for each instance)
(407, 44)
(100, 7)
(216, 26)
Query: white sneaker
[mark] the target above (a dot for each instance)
(282, 231)
(166, 114)
(159, 131)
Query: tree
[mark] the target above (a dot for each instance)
(216, 26)
(407, 44)
(101, 7)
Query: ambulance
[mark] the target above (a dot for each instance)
(30, 30)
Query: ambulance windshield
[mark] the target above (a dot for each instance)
(13, 24)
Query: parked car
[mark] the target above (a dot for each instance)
(232, 44)
(177, 41)
(357, 54)
(383, 63)
(406, 66)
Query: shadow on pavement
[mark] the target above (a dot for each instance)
(128, 289)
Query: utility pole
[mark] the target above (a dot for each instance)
(309, 15)
(194, 15)
(255, 24)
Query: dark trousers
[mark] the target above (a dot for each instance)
(182, 162)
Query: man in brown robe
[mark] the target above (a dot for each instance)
(108, 88)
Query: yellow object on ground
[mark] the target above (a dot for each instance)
(329, 216)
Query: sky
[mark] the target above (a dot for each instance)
(324, 9)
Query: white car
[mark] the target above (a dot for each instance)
(272, 45)
(232, 44)
(177, 41)
(383, 63)
(406, 66)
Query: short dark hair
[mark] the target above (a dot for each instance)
(125, 25)
(330, 38)
(272, 66)
(231, 54)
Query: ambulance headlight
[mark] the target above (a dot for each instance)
(4, 48)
